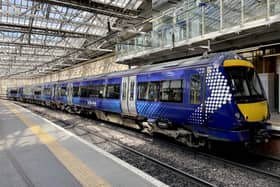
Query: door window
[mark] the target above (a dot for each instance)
(195, 89)
(124, 91)
(131, 96)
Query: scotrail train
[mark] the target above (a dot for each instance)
(218, 97)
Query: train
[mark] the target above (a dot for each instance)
(215, 97)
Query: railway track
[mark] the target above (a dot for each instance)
(183, 173)
(192, 180)
(233, 163)
(260, 171)
(237, 163)
(256, 156)
(274, 158)
(184, 178)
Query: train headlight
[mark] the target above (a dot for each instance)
(237, 115)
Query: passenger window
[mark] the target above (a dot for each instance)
(142, 91)
(37, 92)
(62, 91)
(164, 92)
(83, 91)
(113, 91)
(75, 91)
(47, 91)
(153, 91)
(101, 91)
(195, 89)
(93, 91)
(171, 91)
(176, 87)
(13, 92)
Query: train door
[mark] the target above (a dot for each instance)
(197, 97)
(69, 93)
(128, 95)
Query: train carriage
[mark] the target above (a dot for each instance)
(46, 94)
(12, 93)
(27, 94)
(218, 97)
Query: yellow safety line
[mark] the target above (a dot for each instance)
(76, 167)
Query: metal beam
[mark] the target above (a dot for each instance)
(3, 65)
(19, 67)
(2, 53)
(6, 55)
(50, 19)
(96, 7)
(37, 61)
(63, 65)
(19, 27)
(56, 20)
(40, 32)
(112, 34)
(51, 46)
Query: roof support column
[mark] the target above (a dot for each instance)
(267, 9)
(174, 20)
(203, 19)
(242, 13)
(221, 15)
(187, 22)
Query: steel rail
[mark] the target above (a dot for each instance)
(207, 155)
(195, 179)
(181, 172)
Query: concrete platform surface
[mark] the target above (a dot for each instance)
(275, 121)
(36, 152)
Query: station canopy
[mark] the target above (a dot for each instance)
(38, 37)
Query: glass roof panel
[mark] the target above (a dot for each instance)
(43, 32)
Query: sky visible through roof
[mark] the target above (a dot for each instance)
(33, 33)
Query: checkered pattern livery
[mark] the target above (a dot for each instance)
(151, 110)
(220, 95)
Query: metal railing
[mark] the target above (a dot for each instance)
(192, 21)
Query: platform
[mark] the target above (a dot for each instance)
(275, 121)
(36, 152)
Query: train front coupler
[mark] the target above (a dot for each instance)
(262, 136)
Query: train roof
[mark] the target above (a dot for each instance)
(190, 62)
(217, 58)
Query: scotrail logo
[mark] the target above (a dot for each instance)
(93, 103)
